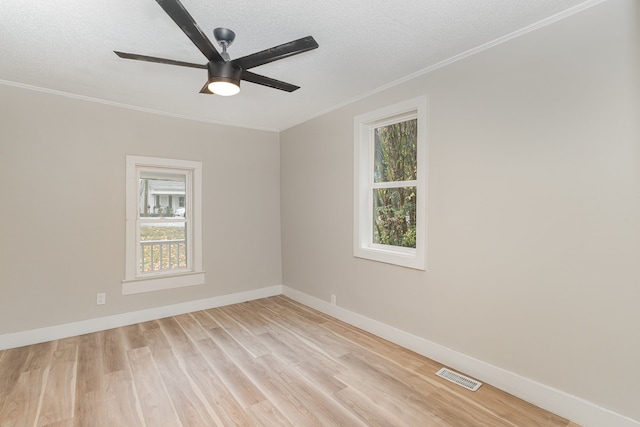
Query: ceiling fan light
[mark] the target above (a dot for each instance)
(223, 88)
(224, 78)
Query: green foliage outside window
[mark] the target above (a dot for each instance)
(395, 160)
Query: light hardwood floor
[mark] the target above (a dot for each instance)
(270, 362)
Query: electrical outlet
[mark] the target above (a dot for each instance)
(333, 299)
(101, 298)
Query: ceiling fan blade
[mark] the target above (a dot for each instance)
(158, 60)
(180, 16)
(267, 81)
(278, 52)
(205, 89)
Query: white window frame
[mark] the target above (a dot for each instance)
(135, 281)
(364, 126)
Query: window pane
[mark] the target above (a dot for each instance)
(163, 246)
(394, 216)
(161, 194)
(396, 148)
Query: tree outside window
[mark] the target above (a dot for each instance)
(395, 165)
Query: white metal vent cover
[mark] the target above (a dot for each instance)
(454, 377)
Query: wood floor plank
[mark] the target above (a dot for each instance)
(386, 349)
(152, 324)
(244, 315)
(90, 409)
(229, 345)
(248, 341)
(120, 404)
(410, 405)
(270, 362)
(235, 380)
(214, 390)
(39, 355)
(366, 409)
(22, 402)
(189, 404)
(301, 312)
(156, 406)
(192, 410)
(15, 368)
(221, 399)
(176, 336)
(504, 406)
(89, 381)
(265, 414)
(155, 339)
(321, 404)
(312, 365)
(58, 400)
(114, 404)
(222, 319)
(205, 320)
(280, 394)
(64, 423)
(16, 361)
(115, 350)
(493, 400)
(133, 336)
(459, 413)
(424, 392)
(318, 338)
(192, 327)
(91, 366)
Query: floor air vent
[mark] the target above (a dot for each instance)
(459, 379)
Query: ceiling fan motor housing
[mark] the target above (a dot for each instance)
(224, 71)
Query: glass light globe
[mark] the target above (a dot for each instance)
(223, 88)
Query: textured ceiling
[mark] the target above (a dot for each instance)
(67, 46)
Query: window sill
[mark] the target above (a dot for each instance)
(158, 283)
(402, 257)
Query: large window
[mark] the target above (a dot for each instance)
(163, 224)
(390, 184)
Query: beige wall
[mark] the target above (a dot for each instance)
(62, 180)
(534, 209)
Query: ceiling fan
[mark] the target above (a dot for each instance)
(225, 73)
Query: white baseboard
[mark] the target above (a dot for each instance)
(548, 398)
(34, 336)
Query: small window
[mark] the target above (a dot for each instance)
(163, 241)
(162, 237)
(390, 184)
